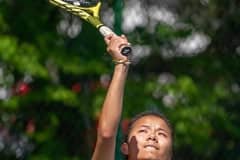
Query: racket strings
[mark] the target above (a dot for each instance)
(65, 4)
(82, 3)
(70, 7)
(90, 14)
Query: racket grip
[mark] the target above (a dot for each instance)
(104, 30)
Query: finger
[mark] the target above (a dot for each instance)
(124, 37)
(123, 45)
(119, 39)
(108, 38)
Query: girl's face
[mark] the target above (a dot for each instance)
(149, 139)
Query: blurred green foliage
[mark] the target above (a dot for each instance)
(52, 85)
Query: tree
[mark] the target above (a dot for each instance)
(53, 81)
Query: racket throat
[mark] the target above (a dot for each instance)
(94, 21)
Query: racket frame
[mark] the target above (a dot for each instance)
(91, 15)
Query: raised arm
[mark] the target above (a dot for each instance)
(112, 106)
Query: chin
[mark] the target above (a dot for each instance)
(149, 156)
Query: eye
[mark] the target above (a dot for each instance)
(162, 134)
(142, 131)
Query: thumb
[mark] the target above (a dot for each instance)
(108, 38)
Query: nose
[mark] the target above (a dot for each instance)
(152, 137)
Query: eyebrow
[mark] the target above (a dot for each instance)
(159, 129)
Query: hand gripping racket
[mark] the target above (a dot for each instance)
(88, 10)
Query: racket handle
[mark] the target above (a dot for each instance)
(126, 51)
(104, 30)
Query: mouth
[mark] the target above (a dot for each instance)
(151, 147)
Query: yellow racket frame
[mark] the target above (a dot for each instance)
(89, 14)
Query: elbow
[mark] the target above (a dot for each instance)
(106, 133)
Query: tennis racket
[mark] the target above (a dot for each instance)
(88, 10)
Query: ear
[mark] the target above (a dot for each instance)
(124, 148)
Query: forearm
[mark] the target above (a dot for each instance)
(112, 106)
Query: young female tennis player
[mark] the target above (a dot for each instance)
(149, 135)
